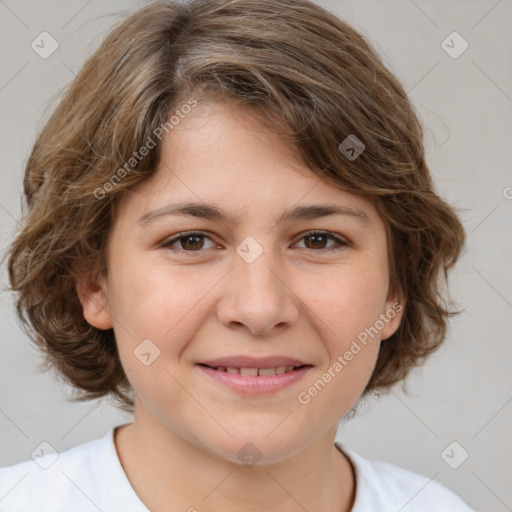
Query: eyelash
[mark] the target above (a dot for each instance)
(340, 243)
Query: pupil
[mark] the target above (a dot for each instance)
(197, 237)
(316, 237)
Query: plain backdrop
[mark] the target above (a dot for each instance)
(464, 393)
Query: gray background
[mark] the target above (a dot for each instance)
(464, 392)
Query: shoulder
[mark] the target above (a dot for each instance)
(51, 480)
(84, 478)
(382, 486)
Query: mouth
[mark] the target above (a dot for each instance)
(247, 380)
(256, 372)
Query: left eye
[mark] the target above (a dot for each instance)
(192, 242)
(320, 237)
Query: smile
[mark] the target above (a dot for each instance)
(252, 372)
(255, 380)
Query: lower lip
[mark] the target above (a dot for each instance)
(256, 385)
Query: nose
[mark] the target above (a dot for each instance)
(259, 297)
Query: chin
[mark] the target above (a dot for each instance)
(250, 447)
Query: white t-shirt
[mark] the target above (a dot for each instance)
(90, 478)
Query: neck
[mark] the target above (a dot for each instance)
(168, 472)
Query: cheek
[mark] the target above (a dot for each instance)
(347, 301)
(153, 300)
(157, 313)
(346, 308)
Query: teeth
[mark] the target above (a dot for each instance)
(248, 371)
(267, 371)
(252, 372)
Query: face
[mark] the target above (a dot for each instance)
(254, 283)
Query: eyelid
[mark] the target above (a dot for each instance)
(167, 243)
(340, 241)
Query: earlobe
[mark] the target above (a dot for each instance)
(92, 293)
(393, 313)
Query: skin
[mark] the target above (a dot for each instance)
(295, 299)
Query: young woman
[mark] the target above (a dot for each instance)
(231, 229)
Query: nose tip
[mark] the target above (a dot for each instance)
(258, 299)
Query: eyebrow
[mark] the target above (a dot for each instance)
(214, 213)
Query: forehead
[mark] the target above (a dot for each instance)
(223, 154)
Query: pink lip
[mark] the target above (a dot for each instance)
(255, 385)
(253, 362)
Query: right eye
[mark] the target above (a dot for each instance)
(189, 241)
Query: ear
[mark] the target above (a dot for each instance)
(392, 314)
(92, 293)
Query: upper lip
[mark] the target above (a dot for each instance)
(254, 362)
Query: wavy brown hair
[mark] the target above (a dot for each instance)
(308, 76)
